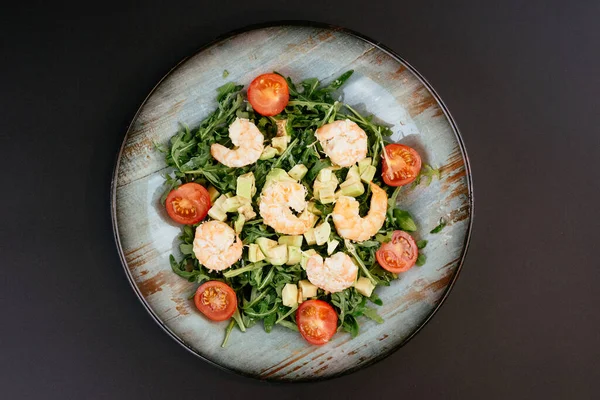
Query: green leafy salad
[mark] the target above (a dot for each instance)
(269, 229)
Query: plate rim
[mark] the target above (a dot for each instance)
(426, 84)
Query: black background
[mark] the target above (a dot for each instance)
(520, 78)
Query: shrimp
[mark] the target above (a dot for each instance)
(333, 274)
(248, 142)
(277, 201)
(344, 142)
(348, 222)
(216, 245)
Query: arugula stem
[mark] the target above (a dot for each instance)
(253, 302)
(307, 103)
(267, 279)
(238, 271)
(287, 314)
(238, 319)
(263, 314)
(352, 250)
(285, 153)
(289, 325)
(392, 202)
(228, 332)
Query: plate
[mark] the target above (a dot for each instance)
(382, 84)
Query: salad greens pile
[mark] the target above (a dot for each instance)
(259, 285)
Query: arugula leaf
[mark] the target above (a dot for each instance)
(440, 226)
(421, 244)
(421, 260)
(186, 249)
(170, 184)
(289, 325)
(404, 220)
(338, 82)
(372, 314)
(427, 172)
(180, 270)
(375, 299)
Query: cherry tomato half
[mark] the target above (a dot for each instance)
(216, 300)
(317, 321)
(268, 94)
(401, 165)
(399, 254)
(188, 204)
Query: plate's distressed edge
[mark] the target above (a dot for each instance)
(393, 55)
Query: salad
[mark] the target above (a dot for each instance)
(287, 198)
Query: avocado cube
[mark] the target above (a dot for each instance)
(307, 289)
(280, 143)
(309, 235)
(219, 201)
(312, 207)
(298, 172)
(278, 255)
(254, 253)
(353, 174)
(265, 244)
(364, 286)
(231, 204)
(283, 128)
(324, 175)
(245, 186)
(327, 195)
(268, 153)
(239, 224)
(213, 194)
(289, 295)
(353, 190)
(217, 213)
(363, 164)
(294, 255)
(277, 175)
(368, 174)
(322, 233)
(331, 246)
(295, 240)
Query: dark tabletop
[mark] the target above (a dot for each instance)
(521, 79)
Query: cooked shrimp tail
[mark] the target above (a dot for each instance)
(216, 245)
(348, 222)
(248, 142)
(332, 274)
(277, 201)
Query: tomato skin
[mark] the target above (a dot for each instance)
(268, 94)
(216, 300)
(405, 165)
(188, 204)
(399, 254)
(317, 321)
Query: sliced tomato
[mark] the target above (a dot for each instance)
(317, 321)
(399, 254)
(188, 204)
(268, 94)
(216, 300)
(401, 165)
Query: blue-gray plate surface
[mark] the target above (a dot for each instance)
(383, 85)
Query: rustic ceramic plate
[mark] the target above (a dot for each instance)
(382, 84)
